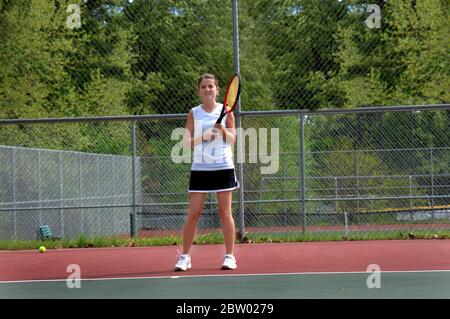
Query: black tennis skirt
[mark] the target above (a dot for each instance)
(213, 181)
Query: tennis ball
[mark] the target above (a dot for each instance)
(42, 249)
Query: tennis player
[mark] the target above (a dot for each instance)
(212, 168)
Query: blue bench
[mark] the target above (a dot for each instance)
(46, 233)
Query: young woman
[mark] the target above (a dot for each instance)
(212, 168)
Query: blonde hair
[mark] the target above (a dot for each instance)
(208, 76)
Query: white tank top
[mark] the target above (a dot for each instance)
(210, 155)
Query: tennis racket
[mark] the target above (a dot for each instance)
(231, 97)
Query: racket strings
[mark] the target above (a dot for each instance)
(231, 97)
(232, 93)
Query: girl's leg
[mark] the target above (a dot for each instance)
(226, 217)
(195, 211)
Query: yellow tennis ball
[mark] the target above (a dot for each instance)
(42, 249)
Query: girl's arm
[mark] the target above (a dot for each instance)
(228, 133)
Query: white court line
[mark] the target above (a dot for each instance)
(229, 275)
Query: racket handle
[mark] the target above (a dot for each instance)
(220, 118)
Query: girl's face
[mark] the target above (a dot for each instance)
(207, 90)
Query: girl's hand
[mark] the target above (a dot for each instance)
(220, 128)
(210, 134)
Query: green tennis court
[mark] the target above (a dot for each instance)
(410, 284)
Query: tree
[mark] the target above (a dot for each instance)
(61, 71)
(300, 42)
(403, 62)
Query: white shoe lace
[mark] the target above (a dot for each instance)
(182, 258)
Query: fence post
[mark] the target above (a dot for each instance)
(115, 194)
(432, 186)
(302, 172)
(410, 198)
(82, 211)
(133, 216)
(410, 192)
(285, 217)
(40, 187)
(14, 172)
(336, 194)
(97, 196)
(61, 193)
(357, 182)
(238, 124)
(346, 222)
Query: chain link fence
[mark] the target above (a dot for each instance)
(352, 172)
(366, 169)
(74, 190)
(363, 170)
(74, 193)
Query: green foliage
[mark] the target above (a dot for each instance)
(297, 36)
(141, 57)
(403, 62)
(50, 70)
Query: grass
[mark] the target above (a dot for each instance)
(217, 238)
(338, 236)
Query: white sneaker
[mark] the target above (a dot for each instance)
(184, 263)
(229, 262)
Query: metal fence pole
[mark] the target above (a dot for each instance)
(302, 172)
(336, 195)
(133, 216)
(432, 186)
(238, 124)
(357, 181)
(285, 218)
(410, 192)
(115, 194)
(82, 211)
(40, 186)
(14, 192)
(97, 195)
(61, 193)
(410, 198)
(346, 223)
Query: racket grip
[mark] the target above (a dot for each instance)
(220, 118)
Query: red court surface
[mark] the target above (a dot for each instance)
(274, 258)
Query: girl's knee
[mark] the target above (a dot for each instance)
(195, 214)
(226, 216)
